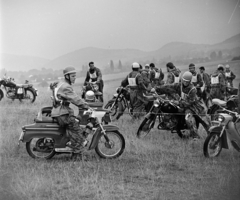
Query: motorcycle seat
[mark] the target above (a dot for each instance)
(23, 85)
(219, 102)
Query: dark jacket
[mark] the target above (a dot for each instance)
(189, 101)
(172, 73)
(95, 75)
(66, 94)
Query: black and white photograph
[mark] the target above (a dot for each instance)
(119, 99)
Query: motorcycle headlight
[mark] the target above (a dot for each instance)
(220, 118)
(156, 103)
(118, 89)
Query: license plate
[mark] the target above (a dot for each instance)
(21, 137)
(20, 91)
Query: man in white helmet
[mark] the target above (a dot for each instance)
(136, 84)
(229, 75)
(188, 101)
(63, 96)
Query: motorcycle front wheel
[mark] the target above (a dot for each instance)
(212, 146)
(110, 145)
(1, 94)
(29, 95)
(145, 127)
(114, 110)
(41, 148)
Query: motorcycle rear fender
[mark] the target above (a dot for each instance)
(57, 133)
(218, 129)
(99, 134)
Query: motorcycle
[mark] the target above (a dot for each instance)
(230, 104)
(17, 91)
(93, 86)
(123, 97)
(226, 125)
(170, 118)
(45, 137)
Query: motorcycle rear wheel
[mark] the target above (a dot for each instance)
(145, 127)
(110, 146)
(29, 96)
(40, 148)
(211, 148)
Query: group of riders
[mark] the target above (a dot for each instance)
(191, 90)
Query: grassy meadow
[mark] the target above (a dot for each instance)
(159, 167)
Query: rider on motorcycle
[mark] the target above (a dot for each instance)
(63, 96)
(94, 75)
(136, 84)
(188, 101)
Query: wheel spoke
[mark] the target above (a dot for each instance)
(112, 147)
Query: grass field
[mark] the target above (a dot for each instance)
(161, 166)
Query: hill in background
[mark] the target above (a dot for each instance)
(174, 51)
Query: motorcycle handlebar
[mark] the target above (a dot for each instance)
(235, 113)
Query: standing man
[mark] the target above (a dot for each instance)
(205, 89)
(136, 84)
(196, 79)
(173, 74)
(229, 75)
(218, 84)
(156, 75)
(94, 75)
(63, 96)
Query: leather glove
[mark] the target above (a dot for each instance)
(84, 106)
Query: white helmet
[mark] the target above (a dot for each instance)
(135, 65)
(227, 67)
(90, 95)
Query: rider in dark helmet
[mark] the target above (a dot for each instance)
(173, 73)
(156, 75)
(206, 84)
(188, 101)
(64, 95)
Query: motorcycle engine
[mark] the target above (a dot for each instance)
(11, 92)
(169, 121)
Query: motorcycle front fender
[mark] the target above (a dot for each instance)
(218, 129)
(98, 134)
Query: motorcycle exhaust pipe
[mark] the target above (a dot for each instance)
(64, 150)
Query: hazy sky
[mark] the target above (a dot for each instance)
(51, 28)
